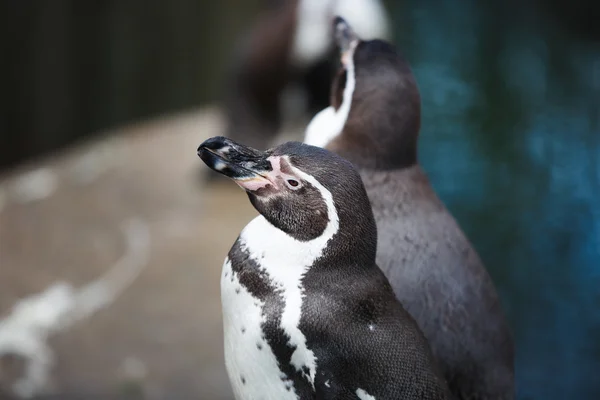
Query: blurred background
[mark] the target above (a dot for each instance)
(111, 246)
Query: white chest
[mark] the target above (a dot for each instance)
(251, 365)
(325, 126)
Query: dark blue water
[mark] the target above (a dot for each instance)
(511, 141)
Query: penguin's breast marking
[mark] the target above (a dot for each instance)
(251, 365)
(269, 247)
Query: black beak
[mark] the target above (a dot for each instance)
(241, 163)
(344, 36)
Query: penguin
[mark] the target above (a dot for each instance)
(281, 68)
(307, 314)
(373, 121)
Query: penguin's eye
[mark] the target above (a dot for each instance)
(292, 183)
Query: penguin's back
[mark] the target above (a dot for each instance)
(439, 278)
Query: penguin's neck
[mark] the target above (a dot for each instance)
(281, 255)
(379, 142)
(329, 123)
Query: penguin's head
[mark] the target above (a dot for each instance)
(300, 189)
(375, 107)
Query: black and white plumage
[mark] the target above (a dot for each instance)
(374, 122)
(307, 313)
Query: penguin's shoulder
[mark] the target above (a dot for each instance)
(418, 226)
(415, 227)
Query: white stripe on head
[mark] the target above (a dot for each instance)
(286, 260)
(312, 37)
(329, 123)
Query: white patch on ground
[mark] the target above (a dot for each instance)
(88, 167)
(362, 395)
(313, 36)
(253, 372)
(329, 123)
(133, 369)
(26, 330)
(35, 185)
(286, 261)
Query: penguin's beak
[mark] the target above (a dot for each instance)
(345, 38)
(248, 167)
